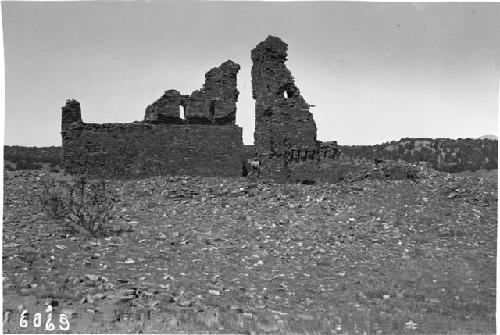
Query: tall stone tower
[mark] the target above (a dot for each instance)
(285, 131)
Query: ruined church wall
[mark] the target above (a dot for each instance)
(203, 142)
(136, 150)
(196, 134)
(214, 103)
(285, 131)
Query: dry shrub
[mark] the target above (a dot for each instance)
(80, 204)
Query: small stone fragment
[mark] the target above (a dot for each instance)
(214, 292)
(92, 277)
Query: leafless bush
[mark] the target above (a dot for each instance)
(81, 204)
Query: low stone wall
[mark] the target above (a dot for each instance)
(136, 150)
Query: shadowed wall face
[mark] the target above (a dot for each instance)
(285, 131)
(137, 150)
(202, 142)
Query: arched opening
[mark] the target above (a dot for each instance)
(288, 91)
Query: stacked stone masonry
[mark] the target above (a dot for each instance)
(204, 141)
(214, 103)
(285, 131)
(196, 134)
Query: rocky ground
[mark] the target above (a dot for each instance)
(213, 255)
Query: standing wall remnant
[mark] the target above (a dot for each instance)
(285, 131)
(196, 134)
(214, 103)
(204, 141)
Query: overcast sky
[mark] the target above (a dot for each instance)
(375, 71)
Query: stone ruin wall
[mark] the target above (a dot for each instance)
(214, 103)
(204, 141)
(196, 134)
(285, 131)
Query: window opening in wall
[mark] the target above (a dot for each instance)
(182, 112)
(287, 91)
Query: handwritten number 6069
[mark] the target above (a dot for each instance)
(49, 325)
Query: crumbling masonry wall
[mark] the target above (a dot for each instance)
(204, 141)
(285, 131)
(196, 134)
(214, 103)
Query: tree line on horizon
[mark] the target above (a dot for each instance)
(18, 157)
(442, 154)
